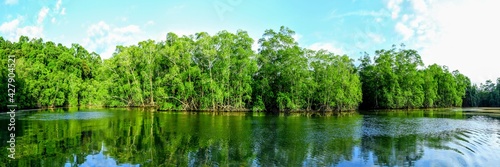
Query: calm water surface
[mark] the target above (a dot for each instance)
(120, 137)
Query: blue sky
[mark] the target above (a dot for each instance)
(458, 33)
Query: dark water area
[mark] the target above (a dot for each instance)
(121, 137)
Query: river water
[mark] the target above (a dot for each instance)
(121, 137)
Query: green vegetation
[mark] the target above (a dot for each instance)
(222, 72)
(292, 78)
(485, 95)
(398, 79)
(50, 75)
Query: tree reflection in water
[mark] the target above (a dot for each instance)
(134, 137)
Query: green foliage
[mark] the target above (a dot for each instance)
(337, 84)
(50, 75)
(397, 79)
(485, 95)
(199, 72)
(222, 72)
(292, 78)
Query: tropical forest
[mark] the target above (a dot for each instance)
(221, 72)
(214, 100)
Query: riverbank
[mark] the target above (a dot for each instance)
(495, 110)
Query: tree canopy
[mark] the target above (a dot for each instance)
(222, 72)
(397, 78)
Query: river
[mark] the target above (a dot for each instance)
(132, 137)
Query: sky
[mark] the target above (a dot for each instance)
(461, 34)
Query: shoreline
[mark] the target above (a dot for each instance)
(154, 109)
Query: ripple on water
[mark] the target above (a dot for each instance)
(68, 116)
(376, 126)
(466, 142)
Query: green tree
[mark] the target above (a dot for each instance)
(283, 69)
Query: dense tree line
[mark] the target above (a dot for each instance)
(189, 73)
(397, 78)
(49, 74)
(291, 78)
(485, 95)
(222, 72)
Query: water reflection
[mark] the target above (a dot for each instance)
(98, 159)
(115, 137)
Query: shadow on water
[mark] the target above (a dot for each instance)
(128, 137)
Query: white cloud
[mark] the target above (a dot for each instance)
(419, 5)
(405, 18)
(11, 2)
(255, 45)
(378, 14)
(103, 38)
(417, 21)
(42, 14)
(416, 25)
(327, 46)
(395, 7)
(58, 5)
(404, 30)
(150, 22)
(9, 26)
(98, 29)
(30, 31)
(468, 40)
(377, 38)
(130, 29)
(297, 37)
(446, 35)
(59, 9)
(12, 31)
(53, 20)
